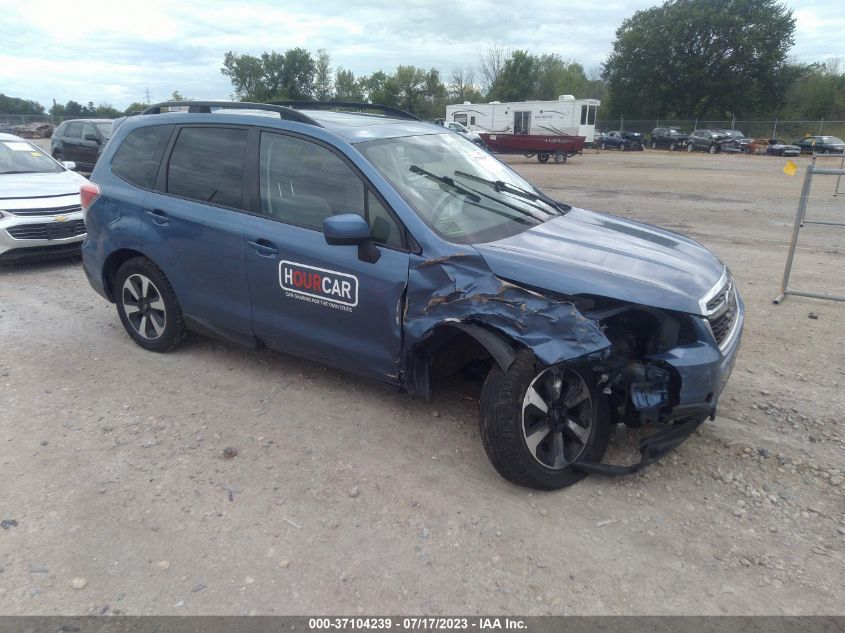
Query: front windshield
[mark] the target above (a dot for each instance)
(832, 139)
(19, 157)
(105, 130)
(463, 193)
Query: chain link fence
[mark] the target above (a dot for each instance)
(786, 130)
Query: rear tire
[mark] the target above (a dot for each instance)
(712, 149)
(147, 306)
(654, 145)
(690, 148)
(543, 157)
(672, 147)
(560, 157)
(509, 420)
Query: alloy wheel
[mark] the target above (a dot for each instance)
(557, 417)
(144, 306)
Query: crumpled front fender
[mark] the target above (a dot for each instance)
(461, 288)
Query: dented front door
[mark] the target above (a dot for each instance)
(310, 298)
(322, 302)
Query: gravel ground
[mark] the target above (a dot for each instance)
(218, 480)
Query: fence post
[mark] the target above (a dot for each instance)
(775, 130)
(799, 218)
(821, 123)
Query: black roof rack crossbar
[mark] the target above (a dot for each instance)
(328, 105)
(206, 106)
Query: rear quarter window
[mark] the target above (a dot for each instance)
(207, 164)
(138, 158)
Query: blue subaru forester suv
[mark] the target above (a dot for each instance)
(398, 250)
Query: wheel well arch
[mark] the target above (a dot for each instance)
(451, 345)
(113, 262)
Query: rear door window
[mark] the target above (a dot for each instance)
(207, 164)
(138, 158)
(74, 130)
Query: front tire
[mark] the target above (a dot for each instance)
(560, 157)
(713, 149)
(536, 420)
(690, 148)
(147, 306)
(654, 145)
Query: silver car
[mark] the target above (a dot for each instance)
(40, 212)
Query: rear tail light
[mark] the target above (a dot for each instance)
(88, 193)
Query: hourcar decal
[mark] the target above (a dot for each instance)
(319, 283)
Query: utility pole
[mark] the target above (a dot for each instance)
(148, 96)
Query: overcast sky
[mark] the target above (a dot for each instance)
(114, 51)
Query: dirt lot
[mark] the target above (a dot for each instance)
(346, 496)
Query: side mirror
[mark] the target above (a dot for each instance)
(350, 229)
(69, 164)
(92, 137)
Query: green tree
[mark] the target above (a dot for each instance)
(272, 76)
(693, 58)
(815, 92)
(107, 111)
(299, 74)
(178, 97)
(518, 79)
(347, 87)
(409, 85)
(380, 88)
(14, 105)
(323, 76)
(247, 74)
(74, 109)
(556, 77)
(135, 107)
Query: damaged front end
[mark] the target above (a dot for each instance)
(655, 366)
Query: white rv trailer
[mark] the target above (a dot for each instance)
(567, 115)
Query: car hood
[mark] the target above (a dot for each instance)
(589, 253)
(23, 186)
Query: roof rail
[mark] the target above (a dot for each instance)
(206, 106)
(328, 105)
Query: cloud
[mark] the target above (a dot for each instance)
(106, 52)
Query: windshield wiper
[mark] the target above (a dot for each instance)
(21, 171)
(445, 180)
(502, 186)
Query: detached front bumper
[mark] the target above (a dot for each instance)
(696, 376)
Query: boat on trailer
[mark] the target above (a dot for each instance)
(543, 146)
